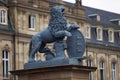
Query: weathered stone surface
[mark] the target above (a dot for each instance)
(64, 72)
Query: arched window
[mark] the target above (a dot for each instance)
(111, 39)
(5, 63)
(90, 64)
(87, 32)
(102, 70)
(114, 71)
(99, 34)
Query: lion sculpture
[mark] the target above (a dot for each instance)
(57, 29)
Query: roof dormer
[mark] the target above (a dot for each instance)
(94, 17)
(115, 21)
(3, 15)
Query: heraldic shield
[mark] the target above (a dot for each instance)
(75, 44)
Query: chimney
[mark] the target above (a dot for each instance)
(78, 3)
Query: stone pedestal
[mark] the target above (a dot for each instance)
(65, 72)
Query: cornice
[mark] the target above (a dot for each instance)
(6, 32)
(102, 47)
(46, 10)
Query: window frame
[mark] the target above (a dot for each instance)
(111, 36)
(114, 71)
(87, 32)
(5, 22)
(102, 69)
(90, 64)
(99, 35)
(6, 64)
(32, 22)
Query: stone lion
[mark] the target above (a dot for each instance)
(56, 30)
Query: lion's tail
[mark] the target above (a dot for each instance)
(30, 47)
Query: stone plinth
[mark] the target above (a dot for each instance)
(66, 72)
(54, 62)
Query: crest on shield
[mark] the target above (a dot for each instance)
(75, 44)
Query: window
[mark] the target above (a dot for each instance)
(3, 17)
(114, 72)
(32, 22)
(111, 36)
(119, 34)
(115, 21)
(95, 17)
(87, 32)
(6, 64)
(102, 71)
(99, 34)
(89, 63)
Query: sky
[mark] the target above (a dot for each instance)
(108, 5)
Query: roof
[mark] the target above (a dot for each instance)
(69, 4)
(3, 3)
(105, 41)
(105, 16)
(9, 27)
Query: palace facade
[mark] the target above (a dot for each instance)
(20, 19)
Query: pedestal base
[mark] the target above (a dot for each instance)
(65, 72)
(53, 62)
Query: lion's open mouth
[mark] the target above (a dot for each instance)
(63, 11)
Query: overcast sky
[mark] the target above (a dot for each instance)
(108, 5)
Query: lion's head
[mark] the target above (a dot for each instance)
(57, 21)
(57, 11)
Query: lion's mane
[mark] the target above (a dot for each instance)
(57, 21)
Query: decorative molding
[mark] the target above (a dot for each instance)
(102, 59)
(6, 47)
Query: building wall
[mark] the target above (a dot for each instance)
(21, 9)
(6, 43)
(96, 54)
